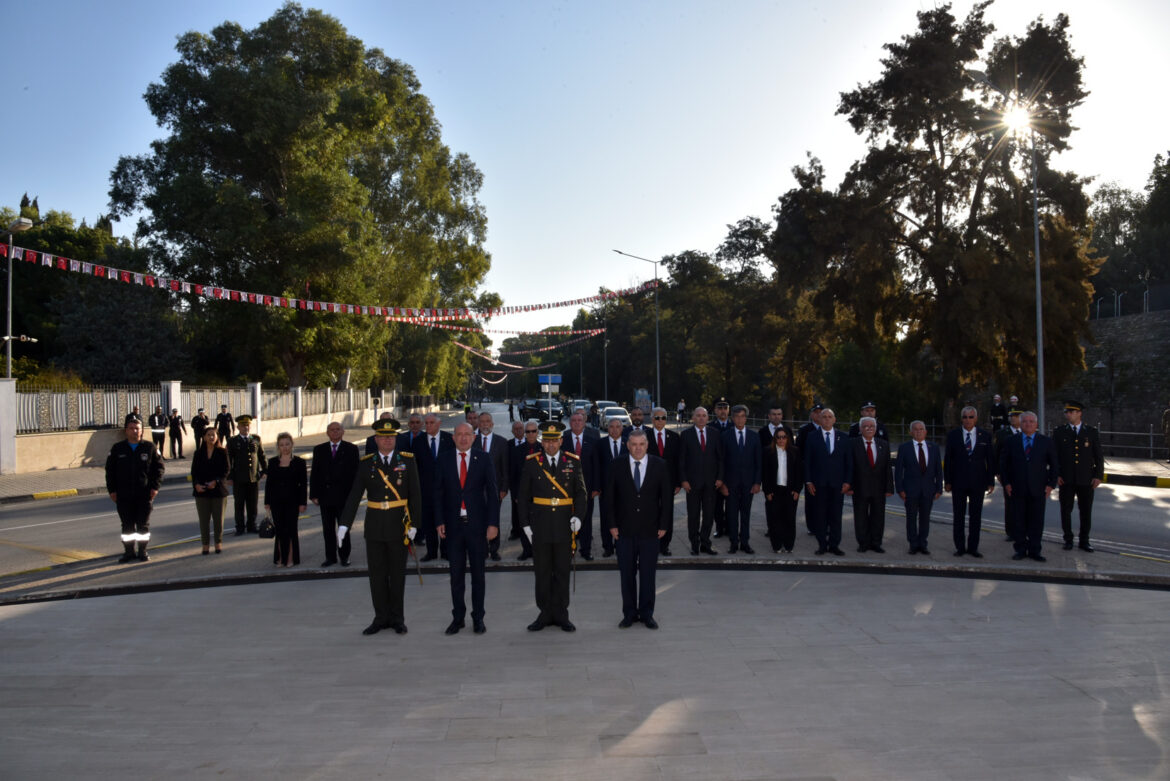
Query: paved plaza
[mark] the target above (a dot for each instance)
(753, 675)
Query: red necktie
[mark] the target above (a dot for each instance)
(661, 447)
(577, 443)
(921, 459)
(702, 440)
(484, 445)
(869, 451)
(462, 469)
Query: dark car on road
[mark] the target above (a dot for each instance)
(542, 409)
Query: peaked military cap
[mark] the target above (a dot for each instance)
(552, 429)
(1073, 405)
(244, 419)
(387, 427)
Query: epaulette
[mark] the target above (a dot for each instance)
(405, 454)
(573, 455)
(532, 455)
(367, 457)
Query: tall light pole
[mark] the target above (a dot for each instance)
(17, 225)
(657, 359)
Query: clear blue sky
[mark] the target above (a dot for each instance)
(646, 127)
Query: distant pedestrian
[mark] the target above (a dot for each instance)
(209, 473)
(225, 425)
(199, 424)
(178, 431)
(134, 472)
(285, 498)
(511, 412)
(682, 408)
(999, 413)
(158, 428)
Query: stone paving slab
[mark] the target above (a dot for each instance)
(753, 675)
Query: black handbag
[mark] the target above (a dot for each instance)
(267, 528)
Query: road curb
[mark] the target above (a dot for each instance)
(1147, 481)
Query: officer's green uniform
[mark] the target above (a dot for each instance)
(547, 510)
(386, 525)
(246, 465)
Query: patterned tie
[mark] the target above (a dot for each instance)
(969, 447)
(921, 459)
(869, 452)
(1028, 448)
(637, 476)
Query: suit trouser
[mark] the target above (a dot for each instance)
(551, 561)
(700, 513)
(918, 519)
(246, 496)
(869, 519)
(1083, 495)
(330, 515)
(585, 536)
(664, 543)
(780, 513)
(967, 539)
(466, 550)
(493, 546)
(637, 564)
(739, 513)
(525, 545)
(603, 528)
(387, 564)
(1029, 523)
(1009, 517)
(720, 513)
(827, 505)
(430, 533)
(809, 514)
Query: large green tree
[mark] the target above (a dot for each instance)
(299, 163)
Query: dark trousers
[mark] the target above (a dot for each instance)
(700, 513)
(176, 442)
(808, 514)
(739, 512)
(430, 533)
(720, 513)
(1009, 517)
(664, 543)
(780, 513)
(387, 563)
(158, 441)
(246, 496)
(551, 561)
(918, 519)
(493, 546)
(465, 551)
(637, 563)
(134, 513)
(967, 537)
(869, 519)
(287, 543)
(1029, 523)
(525, 545)
(603, 529)
(1083, 496)
(585, 536)
(330, 514)
(827, 505)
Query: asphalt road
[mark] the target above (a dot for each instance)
(1127, 520)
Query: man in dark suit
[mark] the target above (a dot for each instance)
(700, 471)
(919, 482)
(664, 443)
(775, 421)
(427, 451)
(577, 442)
(1002, 437)
(720, 423)
(1082, 468)
(497, 449)
(1029, 469)
(468, 517)
(742, 477)
(637, 416)
(414, 430)
(518, 450)
(640, 503)
(802, 435)
(969, 475)
(828, 467)
(869, 410)
(335, 464)
(611, 448)
(872, 483)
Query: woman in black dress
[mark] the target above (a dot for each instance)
(285, 498)
(209, 470)
(783, 479)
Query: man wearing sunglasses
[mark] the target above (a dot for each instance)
(968, 475)
(664, 443)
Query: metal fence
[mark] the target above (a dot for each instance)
(210, 400)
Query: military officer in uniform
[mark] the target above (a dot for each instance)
(246, 465)
(551, 498)
(1082, 468)
(389, 480)
(134, 472)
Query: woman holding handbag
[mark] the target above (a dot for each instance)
(286, 494)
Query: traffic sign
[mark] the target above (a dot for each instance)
(550, 388)
(548, 379)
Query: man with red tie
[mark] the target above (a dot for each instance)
(575, 441)
(467, 516)
(700, 473)
(664, 443)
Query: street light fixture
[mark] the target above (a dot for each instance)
(657, 359)
(16, 226)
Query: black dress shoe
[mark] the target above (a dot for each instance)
(708, 550)
(694, 550)
(327, 563)
(567, 626)
(429, 557)
(836, 551)
(959, 553)
(650, 623)
(1019, 556)
(478, 627)
(747, 549)
(606, 554)
(822, 551)
(862, 549)
(1038, 557)
(924, 551)
(495, 555)
(240, 532)
(1068, 545)
(877, 549)
(536, 625)
(1086, 547)
(454, 627)
(345, 562)
(625, 623)
(913, 551)
(975, 553)
(716, 535)
(399, 628)
(666, 553)
(373, 629)
(587, 556)
(525, 556)
(734, 548)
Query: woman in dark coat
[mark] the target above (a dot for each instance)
(209, 470)
(783, 480)
(286, 494)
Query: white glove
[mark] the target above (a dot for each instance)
(528, 532)
(341, 530)
(413, 531)
(575, 524)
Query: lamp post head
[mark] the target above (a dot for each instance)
(20, 224)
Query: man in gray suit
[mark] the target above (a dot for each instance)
(918, 481)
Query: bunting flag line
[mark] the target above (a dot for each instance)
(287, 302)
(588, 335)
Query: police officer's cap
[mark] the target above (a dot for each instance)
(552, 429)
(387, 427)
(1073, 405)
(818, 407)
(131, 418)
(721, 402)
(868, 405)
(246, 419)
(1015, 413)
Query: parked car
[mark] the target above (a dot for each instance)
(542, 409)
(579, 404)
(612, 413)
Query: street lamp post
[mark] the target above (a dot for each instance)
(17, 225)
(657, 353)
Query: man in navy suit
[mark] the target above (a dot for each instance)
(742, 477)
(497, 449)
(827, 469)
(576, 442)
(335, 464)
(968, 474)
(611, 448)
(468, 516)
(427, 450)
(1029, 469)
(639, 502)
(664, 443)
(700, 472)
(918, 480)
